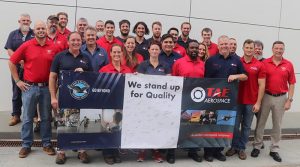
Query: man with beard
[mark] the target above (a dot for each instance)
(100, 28)
(52, 35)
(184, 39)
(178, 48)
(62, 25)
(14, 41)
(233, 47)
(37, 55)
(97, 54)
(124, 26)
(223, 65)
(141, 29)
(206, 34)
(156, 31)
(82, 23)
(108, 39)
(258, 50)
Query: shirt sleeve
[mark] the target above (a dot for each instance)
(9, 44)
(175, 69)
(167, 69)
(55, 64)
(141, 68)
(18, 54)
(262, 72)
(207, 73)
(241, 69)
(292, 78)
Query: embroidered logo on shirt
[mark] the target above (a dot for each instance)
(161, 70)
(254, 68)
(49, 51)
(283, 68)
(234, 65)
(82, 61)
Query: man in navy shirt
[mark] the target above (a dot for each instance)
(15, 39)
(222, 65)
(141, 29)
(71, 59)
(97, 55)
(184, 38)
(124, 26)
(167, 54)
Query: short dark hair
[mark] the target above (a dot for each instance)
(186, 23)
(277, 42)
(156, 22)
(259, 43)
(206, 29)
(109, 22)
(165, 36)
(142, 23)
(62, 13)
(74, 32)
(173, 28)
(248, 41)
(154, 42)
(124, 21)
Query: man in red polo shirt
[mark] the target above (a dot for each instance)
(108, 39)
(59, 40)
(37, 54)
(191, 65)
(280, 85)
(62, 25)
(250, 95)
(206, 34)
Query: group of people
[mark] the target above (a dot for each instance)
(38, 55)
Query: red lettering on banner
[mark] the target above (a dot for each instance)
(227, 135)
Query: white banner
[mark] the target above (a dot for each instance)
(144, 118)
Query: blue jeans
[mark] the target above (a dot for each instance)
(30, 98)
(17, 94)
(244, 120)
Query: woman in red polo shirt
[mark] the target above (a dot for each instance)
(203, 52)
(131, 59)
(116, 66)
(112, 156)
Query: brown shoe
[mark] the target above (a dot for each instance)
(242, 155)
(109, 160)
(24, 152)
(60, 158)
(49, 150)
(83, 157)
(231, 152)
(14, 120)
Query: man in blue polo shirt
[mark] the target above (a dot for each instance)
(167, 54)
(15, 39)
(97, 54)
(222, 65)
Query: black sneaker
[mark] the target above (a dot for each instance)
(275, 156)
(195, 156)
(255, 152)
(219, 156)
(208, 158)
(170, 158)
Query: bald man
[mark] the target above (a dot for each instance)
(37, 55)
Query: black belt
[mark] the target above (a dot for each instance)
(41, 84)
(275, 95)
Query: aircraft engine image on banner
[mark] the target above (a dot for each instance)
(101, 110)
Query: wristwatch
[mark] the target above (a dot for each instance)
(290, 99)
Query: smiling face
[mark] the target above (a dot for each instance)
(167, 45)
(24, 23)
(109, 30)
(223, 46)
(90, 37)
(40, 30)
(202, 51)
(156, 30)
(124, 29)
(116, 53)
(154, 51)
(130, 44)
(62, 21)
(74, 42)
(232, 45)
(193, 50)
(278, 50)
(248, 49)
(185, 29)
(81, 25)
(140, 30)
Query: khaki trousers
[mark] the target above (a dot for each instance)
(276, 106)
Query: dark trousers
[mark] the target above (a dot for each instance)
(17, 95)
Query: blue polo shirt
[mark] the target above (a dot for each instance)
(66, 61)
(99, 58)
(16, 39)
(218, 67)
(169, 59)
(147, 68)
(182, 43)
(142, 48)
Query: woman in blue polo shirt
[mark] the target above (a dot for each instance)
(153, 67)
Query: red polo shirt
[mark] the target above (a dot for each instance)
(139, 60)
(278, 77)
(65, 34)
(109, 68)
(104, 43)
(187, 68)
(180, 50)
(37, 59)
(60, 41)
(248, 90)
(212, 49)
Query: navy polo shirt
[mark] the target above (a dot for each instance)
(147, 68)
(182, 43)
(16, 39)
(99, 58)
(218, 67)
(120, 39)
(142, 48)
(66, 61)
(169, 59)
(152, 39)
